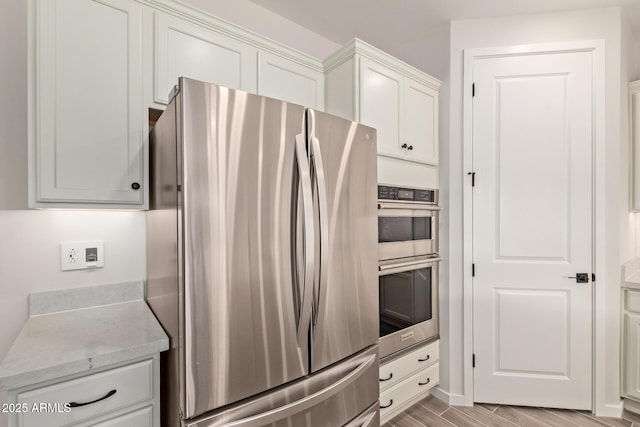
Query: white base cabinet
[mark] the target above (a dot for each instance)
(408, 378)
(124, 395)
(631, 346)
(367, 85)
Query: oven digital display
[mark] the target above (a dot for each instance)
(405, 194)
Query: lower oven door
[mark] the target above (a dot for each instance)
(408, 291)
(407, 230)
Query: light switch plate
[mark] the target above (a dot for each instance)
(81, 255)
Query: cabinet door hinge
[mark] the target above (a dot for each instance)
(473, 90)
(473, 361)
(473, 178)
(473, 270)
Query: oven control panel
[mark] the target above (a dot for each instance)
(386, 192)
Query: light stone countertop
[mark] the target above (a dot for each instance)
(56, 344)
(631, 272)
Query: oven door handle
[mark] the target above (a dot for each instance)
(409, 206)
(409, 265)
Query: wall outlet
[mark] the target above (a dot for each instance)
(81, 255)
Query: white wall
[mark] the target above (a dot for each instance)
(604, 24)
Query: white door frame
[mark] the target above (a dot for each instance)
(599, 219)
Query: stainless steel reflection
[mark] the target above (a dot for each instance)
(410, 247)
(370, 418)
(262, 261)
(422, 331)
(237, 193)
(346, 298)
(341, 392)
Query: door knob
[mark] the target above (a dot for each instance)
(403, 146)
(580, 277)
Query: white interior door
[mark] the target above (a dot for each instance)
(532, 229)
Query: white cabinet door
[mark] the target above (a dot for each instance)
(87, 127)
(284, 79)
(380, 100)
(184, 49)
(139, 418)
(632, 356)
(421, 122)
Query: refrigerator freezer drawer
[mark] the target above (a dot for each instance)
(330, 398)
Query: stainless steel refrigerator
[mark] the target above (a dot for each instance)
(262, 262)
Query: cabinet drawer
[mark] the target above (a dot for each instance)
(633, 301)
(393, 372)
(132, 384)
(396, 396)
(140, 418)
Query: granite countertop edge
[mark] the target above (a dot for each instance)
(61, 344)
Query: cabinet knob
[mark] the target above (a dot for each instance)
(135, 186)
(403, 146)
(410, 147)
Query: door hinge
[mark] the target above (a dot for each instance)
(473, 270)
(473, 361)
(473, 90)
(473, 178)
(593, 277)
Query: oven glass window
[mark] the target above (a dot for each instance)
(405, 299)
(399, 229)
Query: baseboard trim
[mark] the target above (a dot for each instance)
(448, 398)
(612, 411)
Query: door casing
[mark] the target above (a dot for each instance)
(597, 47)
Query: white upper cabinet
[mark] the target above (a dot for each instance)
(634, 121)
(291, 81)
(87, 126)
(380, 104)
(185, 49)
(365, 84)
(97, 66)
(421, 121)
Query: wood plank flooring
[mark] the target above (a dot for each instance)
(432, 412)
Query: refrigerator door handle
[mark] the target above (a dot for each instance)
(321, 182)
(309, 238)
(307, 402)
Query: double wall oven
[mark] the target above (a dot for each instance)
(408, 264)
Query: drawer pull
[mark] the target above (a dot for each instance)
(425, 359)
(386, 406)
(76, 404)
(388, 378)
(425, 383)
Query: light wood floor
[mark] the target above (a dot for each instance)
(431, 412)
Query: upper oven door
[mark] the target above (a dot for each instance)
(407, 230)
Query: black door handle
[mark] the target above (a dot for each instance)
(76, 404)
(386, 406)
(580, 277)
(425, 383)
(388, 378)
